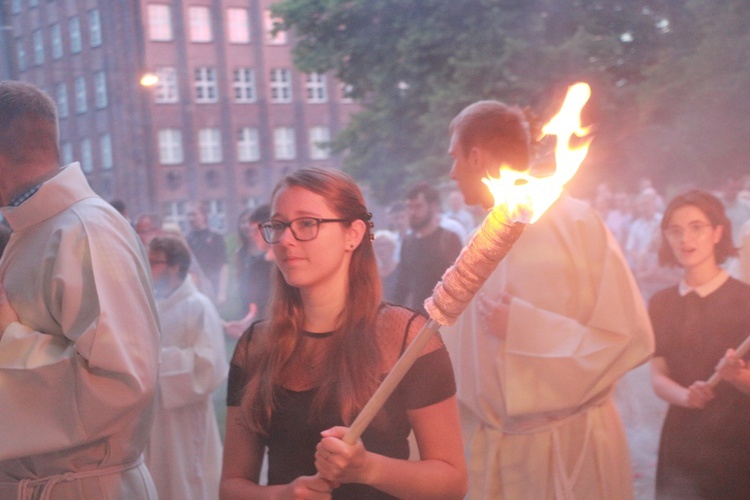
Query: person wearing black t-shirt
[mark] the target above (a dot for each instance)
(299, 377)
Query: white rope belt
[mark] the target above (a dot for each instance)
(27, 487)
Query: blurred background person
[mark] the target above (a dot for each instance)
(121, 207)
(148, 226)
(457, 211)
(738, 213)
(254, 263)
(184, 452)
(385, 248)
(643, 241)
(620, 217)
(703, 452)
(209, 250)
(398, 223)
(427, 251)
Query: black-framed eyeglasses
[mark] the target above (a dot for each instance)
(302, 228)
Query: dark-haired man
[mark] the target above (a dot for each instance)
(426, 252)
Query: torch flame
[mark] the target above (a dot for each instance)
(526, 197)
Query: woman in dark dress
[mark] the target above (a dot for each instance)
(704, 450)
(298, 378)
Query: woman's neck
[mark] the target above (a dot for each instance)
(700, 275)
(322, 310)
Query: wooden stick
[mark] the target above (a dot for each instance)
(390, 382)
(487, 247)
(743, 349)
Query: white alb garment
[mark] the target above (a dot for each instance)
(78, 371)
(184, 452)
(537, 414)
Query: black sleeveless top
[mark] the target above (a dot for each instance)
(293, 434)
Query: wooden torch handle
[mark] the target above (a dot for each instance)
(743, 349)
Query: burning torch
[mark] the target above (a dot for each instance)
(520, 199)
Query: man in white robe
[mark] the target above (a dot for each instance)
(184, 452)
(539, 350)
(78, 328)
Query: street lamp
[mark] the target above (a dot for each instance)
(149, 80)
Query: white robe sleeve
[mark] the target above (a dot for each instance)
(190, 371)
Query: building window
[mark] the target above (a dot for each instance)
(105, 148)
(238, 25)
(248, 144)
(170, 146)
(74, 26)
(33, 3)
(346, 93)
(95, 28)
(217, 214)
(283, 143)
(87, 158)
(206, 89)
(100, 90)
(244, 85)
(270, 22)
(62, 100)
(55, 34)
(281, 85)
(21, 54)
(80, 93)
(316, 88)
(166, 90)
(66, 153)
(175, 212)
(209, 145)
(160, 22)
(38, 43)
(200, 24)
(15, 7)
(320, 137)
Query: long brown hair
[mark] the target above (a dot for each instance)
(352, 370)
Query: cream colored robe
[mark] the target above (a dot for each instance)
(78, 371)
(184, 452)
(537, 413)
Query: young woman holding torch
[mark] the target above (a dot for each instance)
(705, 441)
(299, 378)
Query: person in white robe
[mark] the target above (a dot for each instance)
(78, 328)
(540, 348)
(184, 452)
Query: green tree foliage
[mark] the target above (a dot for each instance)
(413, 64)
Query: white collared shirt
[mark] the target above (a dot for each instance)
(705, 289)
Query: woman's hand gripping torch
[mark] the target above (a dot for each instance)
(739, 353)
(519, 199)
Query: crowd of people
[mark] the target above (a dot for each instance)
(112, 345)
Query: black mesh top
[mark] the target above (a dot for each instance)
(294, 434)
